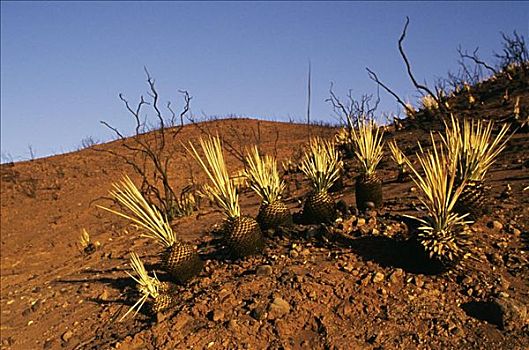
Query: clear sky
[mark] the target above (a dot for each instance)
(64, 63)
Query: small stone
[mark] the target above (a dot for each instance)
(232, 325)
(467, 281)
(47, 344)
(396, 276)
(279, 307)
(294, 254)
(103, 296)
(360, 222)
(370, 205)
(217, 315)
(378, 277)
(264, 270)
(496, 225)
(67, 336)
(512, 314)
(259, 313)
(418, 281)
(516, 232)
(305, 252)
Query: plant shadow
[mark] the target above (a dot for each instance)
(483, 311)
(407, 254)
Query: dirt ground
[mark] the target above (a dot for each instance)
(313, 288)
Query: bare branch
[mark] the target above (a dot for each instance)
(418, 86)
(374, 77)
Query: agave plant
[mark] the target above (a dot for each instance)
(473, 149)
(242, 233)
(369, 150)
(179, 259)
(322, 166)
(398, 158)
(444, 233)
(157, 294)
(264, 179)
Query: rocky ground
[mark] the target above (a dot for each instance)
(359, 284)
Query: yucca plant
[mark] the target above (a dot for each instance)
(398, 158)
(242, 233)
(444, 233)
(179, 259)
(157, 294)
(473, 149)
(264, 179)
(322, 166)
(368, 146)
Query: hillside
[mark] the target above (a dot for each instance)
(310, 288)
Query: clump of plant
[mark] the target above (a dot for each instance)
(264, 179)
(157, 294)
(368, 146)
(398, 158)
(322, 166)
(179, 259)
(242, 234)
(342, 139)
(85, 243)
(429, 103)
(185, 205)
(444, 233)
(473, 149)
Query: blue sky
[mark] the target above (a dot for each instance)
(64, 63)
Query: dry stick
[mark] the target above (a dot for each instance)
(408, 68)
(151, 151)
(374, 77)
(476, 59)
(308, 102)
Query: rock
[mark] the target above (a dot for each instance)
(259, 313)
(496, 225)
(512, 314)
(264, 270)
(294, 254)
(217, 315)
(467, 281)
(370, 205)
(103, 296)
(305, 252)
(47, 344)
(278, 308)
(360, 222)
(378, 277)
(418, 281)
(396, 276)
(516, 232)
(233, 325)
(67, 336)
